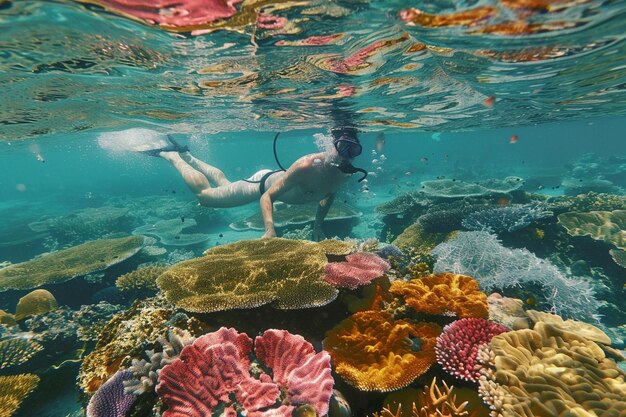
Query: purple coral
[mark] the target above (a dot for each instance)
(110, 399)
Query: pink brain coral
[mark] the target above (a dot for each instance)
(359, 269)
(214, 372)
(457, 346)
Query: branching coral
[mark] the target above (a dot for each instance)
(66, 264)
(246, 274)
(374, 352)
(446, 293)
(480, 255)
(13, 391)
(550, 372)
(17, 351)
(506, 219)
(140, 279)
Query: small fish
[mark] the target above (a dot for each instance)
(182, 219)
(513, 139)
(440, 177)
(221, 235)
(424, 159)
(489, 101)
(394, 178)
(173, 191)
(503, 202)
(408, 173)
(380, 142)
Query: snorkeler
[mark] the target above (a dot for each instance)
(313, 177)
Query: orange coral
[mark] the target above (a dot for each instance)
(374, 352)
(443, 294)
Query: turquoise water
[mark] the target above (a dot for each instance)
(532, 91)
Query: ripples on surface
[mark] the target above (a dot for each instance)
(69, 67)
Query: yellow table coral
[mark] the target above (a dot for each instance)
(287, 273)
(13, 390)
(608, 226)
(66, 264)
(374, 352)
(443, 294)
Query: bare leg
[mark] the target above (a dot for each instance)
(215, 175)
(195, 180)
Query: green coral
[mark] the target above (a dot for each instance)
(13, 391)
(63, 265)
(591, 201)
(417, 240)
(287, 273)
(17, 351)
(607, 226)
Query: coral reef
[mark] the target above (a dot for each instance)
(480, 255)
(591, 201)
(334, 247)
(549, 372)
(140, 279)
(250, 273)
(35, 302)
(507, 311)
(457, 346)
(171, 232)
(447, 294)
(7, 319)
(506, 219)
(579, 328)
(375, 352)
(92, 318)
(13, 391)
(619, 256)
(110, 400)
(145, 373)
(215, 371)
(418, 240)
(574, 186)
(17, 351)
(607, 226)
(69, 263)
(286, 215)
(360, 268)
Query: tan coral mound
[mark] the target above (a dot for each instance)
(374, 352)
(250, 273)
(13, 390)
(336, 247)
(445, 293)
(586, 330)
(35, 302)
(17, 351)
(608, 226)
(550, 372)
(417, 239)
(63, 265)
(7, 319)
(140, 279)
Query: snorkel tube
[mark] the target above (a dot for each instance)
(348, 146)
(347, 168)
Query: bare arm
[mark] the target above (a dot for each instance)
(322, 210)
(284, 184)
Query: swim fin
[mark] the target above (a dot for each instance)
(174, 146)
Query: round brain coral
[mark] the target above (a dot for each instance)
(374, 352)
(458, 344)
(444, 293)
(35, 302)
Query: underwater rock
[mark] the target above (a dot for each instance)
(63, 265)
(370, 350)
(457, 346)
(588, 383)
(215, 371)
(35, 302)
(286, 215)
(360, 268)
(250, 273)
(171, 232)
(13, 391)
(607, 226)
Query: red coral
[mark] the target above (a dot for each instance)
(360, 269)
(266, 21)
(297, 369)
(215, 369)
(458, 344)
